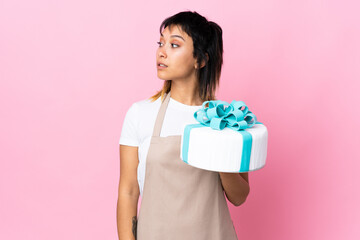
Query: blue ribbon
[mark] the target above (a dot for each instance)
(220, 114)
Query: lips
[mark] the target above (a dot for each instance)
(161, 63)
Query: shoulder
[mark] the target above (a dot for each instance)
(145, 105)
(142, 110)
(138, 120)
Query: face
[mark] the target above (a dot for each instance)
(176, 52)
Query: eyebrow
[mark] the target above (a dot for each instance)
(174, 36)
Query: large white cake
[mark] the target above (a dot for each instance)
(224, 150)
(228, 138)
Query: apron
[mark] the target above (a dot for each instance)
(180, 201)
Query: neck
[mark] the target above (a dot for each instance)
(185, 93)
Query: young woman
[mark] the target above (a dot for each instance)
(178, 201)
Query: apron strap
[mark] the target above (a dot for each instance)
(161, 115)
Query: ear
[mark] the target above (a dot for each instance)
(203, 62)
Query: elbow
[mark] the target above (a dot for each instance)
(242, 199)
(238, 203)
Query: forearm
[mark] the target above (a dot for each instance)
(127, 217)
(235, 186)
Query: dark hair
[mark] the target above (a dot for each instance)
(207, 40)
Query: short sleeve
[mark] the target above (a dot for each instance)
(129, 133)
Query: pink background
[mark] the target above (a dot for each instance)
(69, 71)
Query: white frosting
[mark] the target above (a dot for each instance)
(221, 150)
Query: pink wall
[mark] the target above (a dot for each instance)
(69, 70)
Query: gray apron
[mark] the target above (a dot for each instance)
(180, 202)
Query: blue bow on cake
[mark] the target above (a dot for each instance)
(220, 114)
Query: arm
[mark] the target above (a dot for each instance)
(128, 194)
(236, 186)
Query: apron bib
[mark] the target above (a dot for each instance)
(180, 201)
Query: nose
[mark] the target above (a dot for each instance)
(161, 53)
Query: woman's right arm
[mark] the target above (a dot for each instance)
(128, 194)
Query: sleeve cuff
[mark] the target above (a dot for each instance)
(128, 142)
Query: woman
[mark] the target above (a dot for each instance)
(178, 201)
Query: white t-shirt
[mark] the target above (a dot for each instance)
(139, 124)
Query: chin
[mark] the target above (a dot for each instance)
(162, 77)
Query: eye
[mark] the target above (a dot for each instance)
(172, 44)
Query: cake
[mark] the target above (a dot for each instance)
(228, 138)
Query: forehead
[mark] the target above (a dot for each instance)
(174, 32)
